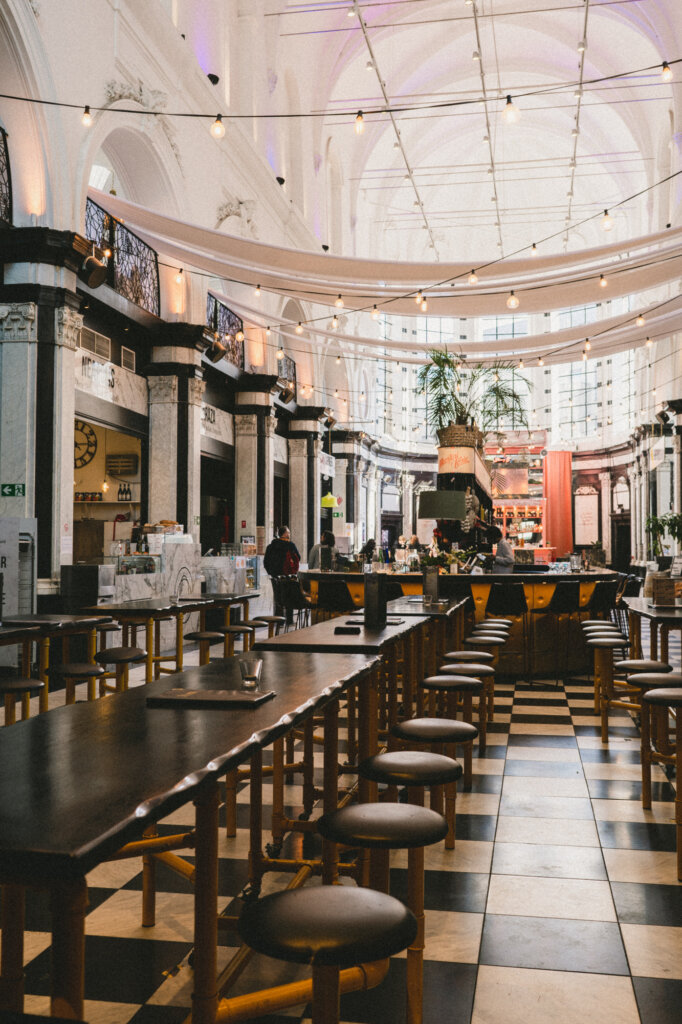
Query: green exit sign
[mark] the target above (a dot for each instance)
(12, 490)
(336, 515)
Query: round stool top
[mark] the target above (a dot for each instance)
(499, 622)
(383, 826)
(485, 640)
(109, 627)
(465, 684)
(410, 768)
(120, 655)
(655, 680)
(328, 924)
(235, 630)
(21, 685)
(491, 627)
(607, 641)
(79, 670)
(631, 665)
(601, 627)
(596, 622)
(269, 618)
(466, 668)
(468, 656)
(434, 730)
(205, 634)
(667, 696)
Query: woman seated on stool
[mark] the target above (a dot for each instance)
(504, 554)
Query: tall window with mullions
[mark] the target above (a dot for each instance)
(5, 182)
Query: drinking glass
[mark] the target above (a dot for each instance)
(250, 669)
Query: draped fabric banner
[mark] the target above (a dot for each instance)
(558, 511)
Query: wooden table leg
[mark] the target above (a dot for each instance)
(179, 622)
(277, 827)
(653, 640)
(149, 641)
(69, 903)
(664, 643)
(43, 673)
(256, 823)
(205, 995)
(330, 856)
(12, 957)
(368, 708)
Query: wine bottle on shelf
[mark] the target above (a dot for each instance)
(120, 492)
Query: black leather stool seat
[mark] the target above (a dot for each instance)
(596, 622)
(237, 630)
(484, 640)
(460, 683)
(384, 826)
(630, 665)
(468, 656)
(277, 620)
(109, 627)
(79, 670)
(655, 680)
(204, 634)
(332, 925)
(19, 686)
(497, 622)
(665, 697)
(466, 668)
(603, 640)
(411, 768)
(120, 655)
(434, 730)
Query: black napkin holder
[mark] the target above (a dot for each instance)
(376, 599)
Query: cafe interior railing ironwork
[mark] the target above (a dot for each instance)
(286, 372)
(5, 181)
(226, 325)
(133, 267)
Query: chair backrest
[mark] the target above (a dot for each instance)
(633, 586)
(566, 597)
(333, 595)
(293, 596)
(507, 599)
(603, 598)
(393, 591)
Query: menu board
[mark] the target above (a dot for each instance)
(586, 518)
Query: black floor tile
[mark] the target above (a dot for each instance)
(476, 826)
(462, 891)
(643, 903)
(162, 1015)
(617, 789)
(538, 740)
(543, 769)
(501, 727)
(38, 916)
(526, 701)
(659, 1000)
(636, 835)
(495, 751)
(116, 970)
(232, 877)
(600, 755)
(546, 943)
(541, 719)
(448, 995)
(615, 731)
(486, 784)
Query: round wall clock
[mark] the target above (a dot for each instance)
(85, 444)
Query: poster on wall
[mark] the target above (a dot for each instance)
(586, 516)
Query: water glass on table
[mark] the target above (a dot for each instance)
(250, 669)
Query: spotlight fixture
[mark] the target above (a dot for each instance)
(92, 272)
(640, 321)
(280, 353)
(280, 180)
(325, 248)
(257, 290)
(178, 276)
(375, 313)
(510, 114)
(299, 327)
(213, 79)
(216, 352)
(607, 221)
(666, 71)
(473, 279)
(218, 128)
(533, 249)
(86, 119)
(359, 123)
(512, 301)
(602, 281)
(339, 302)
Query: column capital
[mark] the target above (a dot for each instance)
(162, 390)
(195, 390)
(19, 322)
(68, 326)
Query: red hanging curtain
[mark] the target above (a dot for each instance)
(558, 531)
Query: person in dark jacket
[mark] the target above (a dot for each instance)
(281, 555)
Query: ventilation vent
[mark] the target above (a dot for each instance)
(96, 343)
(125, 464)
(127, 359)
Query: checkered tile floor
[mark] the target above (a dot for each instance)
(559, 904)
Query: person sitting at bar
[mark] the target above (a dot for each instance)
(504, 554)
(327, 541)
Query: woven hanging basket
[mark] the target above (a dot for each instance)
(460, 435)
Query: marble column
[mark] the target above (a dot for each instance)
(18, 404)
(305, 489)
(379, 478)
(163, 447)
(195, 394)
(605, 481)
(254, 491)
(407, 482)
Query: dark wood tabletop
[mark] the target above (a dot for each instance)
(141, 608)
(11, 634)
(415, 606)
(79, 782)
(323, 637)
(231, 598)
(659, 613)
(58, 622)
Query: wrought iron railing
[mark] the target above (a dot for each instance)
(133, 267)
(287, 372)
(226, 325)
(5, 181)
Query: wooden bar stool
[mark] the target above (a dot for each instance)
(663, 700)
(474, 670)
(121, 658)
(274, 623)
(230, 634)
(469, 655)
(19, 689)
(382, 828)
(603, 648)
(458, 693)
(205, 637)
(416, 769)
(329, 927)
(76, 672)
(442, 735)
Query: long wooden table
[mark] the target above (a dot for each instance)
(80, 782)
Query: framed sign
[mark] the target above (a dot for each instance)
(586, 516)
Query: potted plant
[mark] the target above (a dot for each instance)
(673, 525)
(464, 402)
(655, 528)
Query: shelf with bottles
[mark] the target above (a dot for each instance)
(521, 521)
(137, 564)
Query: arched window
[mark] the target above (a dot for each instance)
(5, 181)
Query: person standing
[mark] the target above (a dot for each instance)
(504, 553)
(281, 555)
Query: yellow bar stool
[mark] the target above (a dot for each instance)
(204, 638)
(13, 690)
(603, 647)
(231, 633)
(475, 670)
(121, 658)
(458, 693)
(275, 623)
(73, 673)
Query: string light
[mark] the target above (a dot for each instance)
(299, 327)
(280, 353)
(541, 361)
(666, 72)
(362, 396)
(335, 322)
(575, 133)
(268, 332)
(584, 356)
(375, 313)
(520, 364)
(338, 360)
(423, 305)
(640, 321)
(602, 281)
(649, 342)
(336, 393)
(178, 276)
(533, 249)
(475, 55)
(239, 336)
(359, 123)
(588, 344)
(607, 221)
(86, 119)
(510, 114)
(257, 290)
(339, 302)
(473, 279)
(218, 128)
(512, 300)
(582, 46)
(369, 66)
(419, 297)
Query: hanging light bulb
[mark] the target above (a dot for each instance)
(257, 290)
(359, 123)
(107, 254)
(218, 128)
(649, 342)
(339, 302)
(541, 361)
(418, 297)
(351, 11)
(239, 336)
(299, 327)
(584, 356)
(396, 144)
(336, 393)
(607, 221)
(512, 301)
(369, 66)
(575, 133)
(178, 276)
(475, 55)
(666, 71)
(335, 322)
(280, 353)
(582, 46)
(86, 119)
(533, 249)
(473, 279)
(520, 364)
(362, 396)
(602, 281)
(338, 360)
(105, 485)
(640, 321)
(268, 332)
(375, 313)
(510, 114)
(588, 344)
(423, 305)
